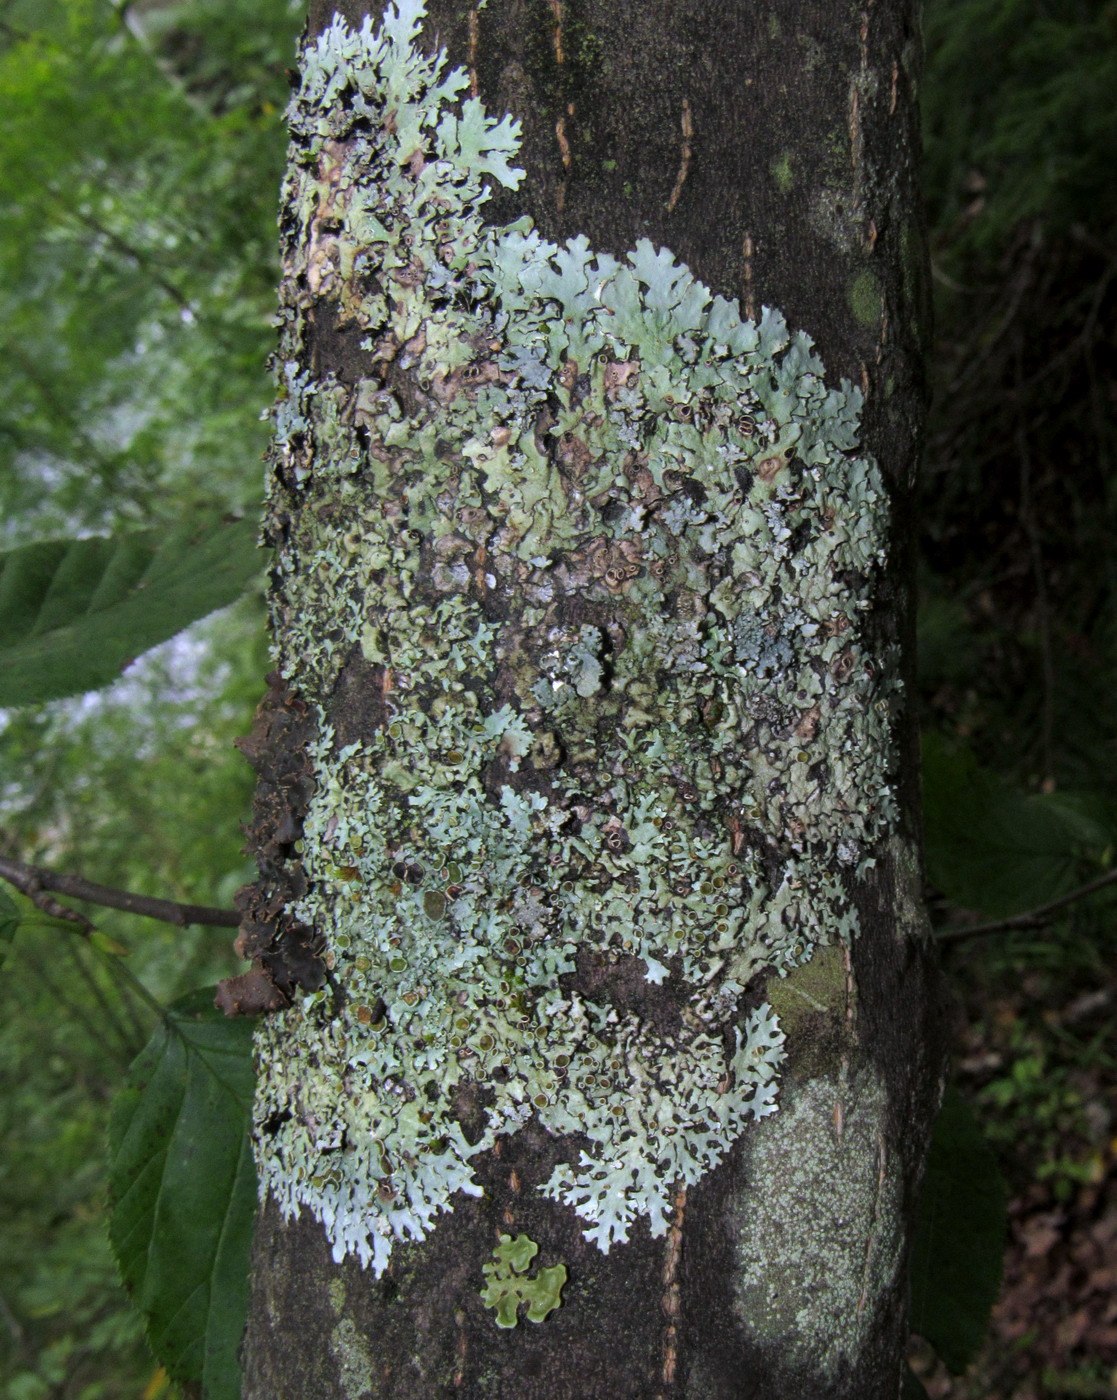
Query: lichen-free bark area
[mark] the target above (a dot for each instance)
(598, 915)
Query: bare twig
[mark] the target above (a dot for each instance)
(34, 881)
(130, 22)
(1031, 918)
(24, 880)
(142, 259)
(1035, 549)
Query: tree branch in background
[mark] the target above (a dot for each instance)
(130, 21)
(34, 882)
(1031, 918)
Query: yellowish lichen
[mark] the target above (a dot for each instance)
(508, 1286)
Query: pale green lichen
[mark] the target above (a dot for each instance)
(507, 1287)
(865, 299)
(822, 1172)
(782, 172)
(352, 1358)
(609, 547)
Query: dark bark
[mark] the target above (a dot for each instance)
(775, 153)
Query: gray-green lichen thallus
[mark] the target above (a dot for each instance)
(603, 549)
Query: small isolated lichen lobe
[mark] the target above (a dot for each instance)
(603, 550)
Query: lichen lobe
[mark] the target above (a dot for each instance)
(603, 550)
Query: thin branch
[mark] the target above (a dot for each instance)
(33, 881)
(23, 878)
(1043, 610)
(1031, 918)
(129, 21)
(29, 880)
(142, 260)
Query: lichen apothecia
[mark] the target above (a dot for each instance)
(605, 549)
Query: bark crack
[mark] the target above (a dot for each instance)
(474, 41)
(746, 273)
(671, 1302)
(684, 167)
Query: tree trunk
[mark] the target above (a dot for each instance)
(609, 1035)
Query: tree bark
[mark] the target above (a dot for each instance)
(649, 634)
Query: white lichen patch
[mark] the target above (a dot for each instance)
(607, 549)
(812, 1265)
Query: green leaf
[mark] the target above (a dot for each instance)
(959, 1237)
(75, 613)
(112, 947)
(182, 1191)
(9, 922)
(997, 851)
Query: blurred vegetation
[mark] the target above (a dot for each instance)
(139, 162)
(1018, 648)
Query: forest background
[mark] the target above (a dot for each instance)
(140, 156)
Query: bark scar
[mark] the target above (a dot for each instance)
(882, 1155)
(474, 39)
(750, 303)
(687, 153)
(671, 1302)
(560, 125)
(461, 1348)
(857, 85)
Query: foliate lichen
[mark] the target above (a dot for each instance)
(507, 1285)
(604, 550)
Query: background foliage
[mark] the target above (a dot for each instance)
(139, 159)
(1018, 647)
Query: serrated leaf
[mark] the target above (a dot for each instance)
(959, 1239)
(74, 613)
(9, 922)
(182, 1191)
(997, 851)
(112, 947)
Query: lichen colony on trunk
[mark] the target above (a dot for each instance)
(602, 548)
